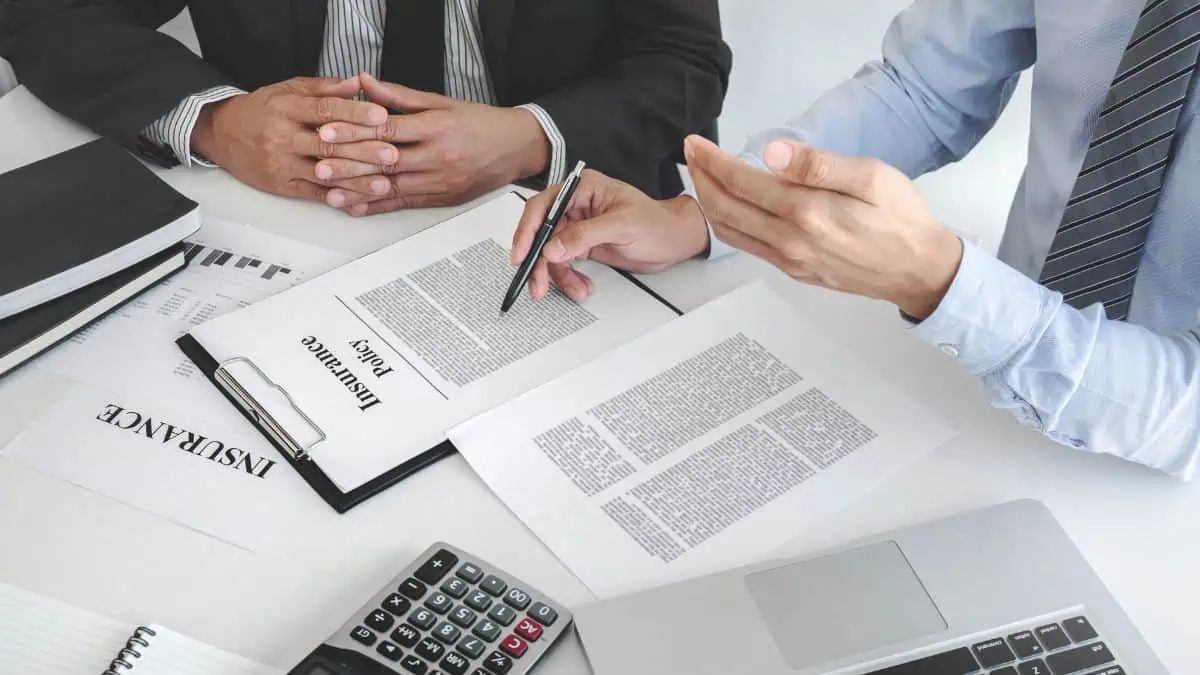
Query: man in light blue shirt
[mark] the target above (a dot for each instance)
(1104, 354)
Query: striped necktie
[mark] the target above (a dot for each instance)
(1095, 254)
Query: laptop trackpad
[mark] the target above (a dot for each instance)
(843, 604)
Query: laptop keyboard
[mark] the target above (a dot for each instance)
(1071, 647)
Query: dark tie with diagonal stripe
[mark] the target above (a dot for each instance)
(1095, 254)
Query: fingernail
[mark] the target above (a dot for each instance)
(778, 156)
(380, 186)
(324, 171)
(555, 251)
(328, 134)
(336, 198)
(377, 116)
(387, 155)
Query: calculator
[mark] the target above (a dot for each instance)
(448, 613)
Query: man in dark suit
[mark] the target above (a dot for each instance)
(286, 96)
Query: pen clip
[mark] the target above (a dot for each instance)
(561, 200)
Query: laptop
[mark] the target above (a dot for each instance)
(998, 591)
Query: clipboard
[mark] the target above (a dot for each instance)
(293, 433)
(296, 452)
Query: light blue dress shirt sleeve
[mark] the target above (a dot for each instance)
(949, 68)
(1104, 386)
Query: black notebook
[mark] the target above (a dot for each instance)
(33, 331)
(84, 215)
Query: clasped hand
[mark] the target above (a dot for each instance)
(309, 138)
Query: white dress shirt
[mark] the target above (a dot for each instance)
(354, 44)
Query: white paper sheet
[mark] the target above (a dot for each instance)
(705, 444)
(221, 478)
(387, 353)
(43, 636)
(133, 350)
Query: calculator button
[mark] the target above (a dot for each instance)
(436, 567)
(543, 614)
(405, 635)
(529, 629)
(515, 646)
(472, 647)
(430, 649)
(494, 585)
(439, 602)
(479, 600)
(448, 633)
(517, 598)
(389, 651)
(487, 630)
(455, 664)
(413, 589)
(456, 588)
(423, 619)
(463, 617)
(498, 663)
(414, 665)
(363, 635)
(397, 604)
(502, 615)
(380, 620)
(470, 573)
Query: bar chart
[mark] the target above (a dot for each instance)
(215, 257)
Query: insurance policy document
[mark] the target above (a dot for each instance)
(703, 445)
(382, 356)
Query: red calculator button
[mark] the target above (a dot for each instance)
(530, 630)
(514, 646)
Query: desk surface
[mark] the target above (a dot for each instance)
(59, 540)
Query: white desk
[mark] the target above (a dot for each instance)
(1138, 528)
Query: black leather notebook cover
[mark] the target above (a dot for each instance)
(76, 206)
(19, 330)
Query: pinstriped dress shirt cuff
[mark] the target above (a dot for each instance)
(174, 130)
(557, 171)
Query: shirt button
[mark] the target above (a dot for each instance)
(949, 350)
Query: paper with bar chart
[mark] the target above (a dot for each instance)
(133, 350)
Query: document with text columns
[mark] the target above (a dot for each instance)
(703, 445)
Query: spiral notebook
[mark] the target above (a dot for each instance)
(41, 636)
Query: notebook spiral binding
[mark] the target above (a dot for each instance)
(129, 653)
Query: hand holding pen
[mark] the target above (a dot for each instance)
(611, 223)
(557, 209)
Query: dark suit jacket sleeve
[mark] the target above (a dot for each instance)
(667, 79)
(102, 62)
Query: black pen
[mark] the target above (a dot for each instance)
(557, 209)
